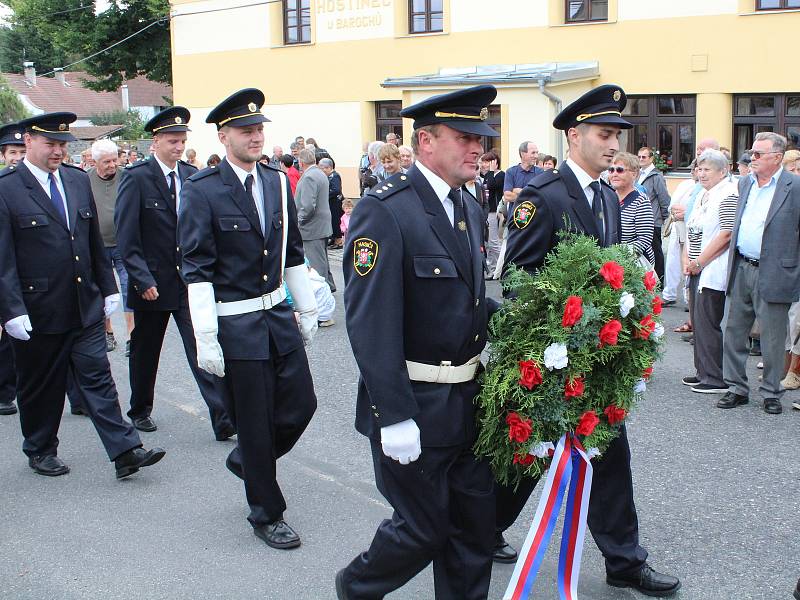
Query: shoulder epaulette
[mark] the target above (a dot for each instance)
(73, 167)
(136, 165)
(186, 164)
(389, 187)
(270, 167)
(8, 171)
(543, 179)
(203, 173)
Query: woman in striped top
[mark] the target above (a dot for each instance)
(637, 214)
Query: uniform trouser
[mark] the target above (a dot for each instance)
(42, 364)
(743, 305)
(443, 512)
(8, 375)
(658, 253)
(706, 313)
(147, 339)
(673, 270)
(271, 403)
(74, 393)
(612, 516)
(316, 252)
(493, 243)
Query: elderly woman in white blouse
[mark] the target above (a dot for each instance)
(705, 261)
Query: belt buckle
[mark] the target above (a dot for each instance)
(441, 376)
(265, 298)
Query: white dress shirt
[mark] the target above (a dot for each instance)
(43, 177)
(166, 170)
(645, 172)
(441, 188)
(258, 193)
(754, 216)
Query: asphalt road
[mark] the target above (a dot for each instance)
(717, 495)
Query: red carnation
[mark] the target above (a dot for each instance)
(613, 273)
(588, 422)
(529, 374)
(573, 387)
(615, 414)
(646, 373)
(650, 281)
(572, 311)
(648, 325)
(519, 429)
(657, 305)
(609, 333)
(523, 459)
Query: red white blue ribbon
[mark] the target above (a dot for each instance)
(571, 468)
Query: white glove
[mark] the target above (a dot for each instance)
(304, 302)
(111, 304)
(204, 323)
(18, 328)
(401, 441)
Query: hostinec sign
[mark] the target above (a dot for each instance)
(341, 20)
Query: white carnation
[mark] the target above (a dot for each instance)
(658, 331)
(555, 356)
(640, 387)
(592, 452)
(626, 303)
(542, 449)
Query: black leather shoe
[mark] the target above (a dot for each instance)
(134, 459)
(342, 595)
(797, 590)
(278, 535)
(145, 424)
(225, 432)
(503, 552)
(648, 581)
(8, 408)
(772, 407)
(690, 380)
(732, 400)
(668, 302)
(234, 468)
(77, 410)
(49, 465)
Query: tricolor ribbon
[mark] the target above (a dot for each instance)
(570, 467)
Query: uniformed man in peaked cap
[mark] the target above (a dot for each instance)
(12, 147)
(238, 233)
(417, 320)
(146, 216)
(56, 288)
(574, 197)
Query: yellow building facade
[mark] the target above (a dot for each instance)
(339, 70)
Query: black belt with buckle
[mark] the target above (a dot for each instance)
(750, 261)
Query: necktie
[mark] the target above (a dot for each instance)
(597, 208)
(57, 199)
(248, 187)
(460, 220)
(172, 186)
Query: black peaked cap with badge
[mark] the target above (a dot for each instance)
(11, 135)
(240, 109)
(174, 119)
(53, 125)
(601, 105)
(463, 110)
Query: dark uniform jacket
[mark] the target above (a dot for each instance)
(221, 241)
(552, 202)
(57, 276)
(419, 298)
(147, 220)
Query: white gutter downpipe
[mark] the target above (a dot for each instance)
(557, 104)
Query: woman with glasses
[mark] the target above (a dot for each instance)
(637, 214)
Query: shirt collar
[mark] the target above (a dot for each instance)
(440, 187)
(242, 174)
(646, 171)
(164, 168)
(773, 179)
(41, 175)
(584, 179)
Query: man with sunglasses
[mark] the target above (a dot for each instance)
(655, 187)
(763, 272)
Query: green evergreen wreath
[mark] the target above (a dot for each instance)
(571, 353)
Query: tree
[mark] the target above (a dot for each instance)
(11, 108)
(132, 121)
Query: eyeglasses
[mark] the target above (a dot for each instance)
(756, 154)
(616, 169)
(643, 156)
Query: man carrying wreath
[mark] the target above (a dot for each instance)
(574, 197)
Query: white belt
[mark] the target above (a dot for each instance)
(444, 372)
(240, 307)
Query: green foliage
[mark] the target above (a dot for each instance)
(524, 328)
(133, 122)
(11, 109)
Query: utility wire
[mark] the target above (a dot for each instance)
(212, 10)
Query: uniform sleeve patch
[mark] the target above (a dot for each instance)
(523, 214)
(365, 255)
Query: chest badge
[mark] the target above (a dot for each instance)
(523, 214)
(365, 255)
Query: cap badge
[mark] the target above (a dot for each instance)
(18, 136)
(484, 113)
(617, 95)
(62, 127)
(252, 107)
(178, 120)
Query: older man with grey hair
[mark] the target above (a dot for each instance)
(518, 176)
(763, 272)
(104, 178)
(374, 172)
(314, 214)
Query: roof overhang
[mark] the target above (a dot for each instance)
(525, 74)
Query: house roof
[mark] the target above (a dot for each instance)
(95, 132)
(143, 92)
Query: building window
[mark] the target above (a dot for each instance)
(582, 11)
(753, 114)
(388, 119)
(296, 21)
(425, 16)
(493, 121)
(666, 123)
(777, 4)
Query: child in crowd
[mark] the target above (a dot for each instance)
(344, 222)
